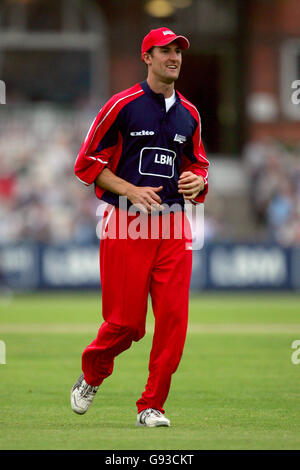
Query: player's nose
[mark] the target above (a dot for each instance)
(173, 56)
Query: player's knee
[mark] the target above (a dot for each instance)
(131, 332)
(139, 333)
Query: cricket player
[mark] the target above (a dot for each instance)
(144, 147)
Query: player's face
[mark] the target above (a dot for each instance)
(165, 62)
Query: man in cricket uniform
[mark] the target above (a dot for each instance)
(144, 146)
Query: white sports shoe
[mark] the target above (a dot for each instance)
(152, 418)
(82, 396)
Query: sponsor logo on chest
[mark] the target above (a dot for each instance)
(157, 161)
(163, 159)
(138, 133)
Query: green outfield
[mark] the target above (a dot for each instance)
(236, 387)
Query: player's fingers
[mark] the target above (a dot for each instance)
(189, 188)
(186, 173)
(187, 192)
(155, 205)
(191, 195)
(193, 184)
(152, 200)
(155, 196)
(143, 207)
(159, 188)
(187, 185)
(182, 184)
(190, 177)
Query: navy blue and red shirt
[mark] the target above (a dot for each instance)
(139, 141)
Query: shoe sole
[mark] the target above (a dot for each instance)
(157, 425)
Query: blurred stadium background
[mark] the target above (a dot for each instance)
(61, 60)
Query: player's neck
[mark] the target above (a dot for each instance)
(166, 89)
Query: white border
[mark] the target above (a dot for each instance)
(155, 174)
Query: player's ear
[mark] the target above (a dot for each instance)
(147, 58)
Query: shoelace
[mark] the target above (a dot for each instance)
(148, 412)
(87, 391)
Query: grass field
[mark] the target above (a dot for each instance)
(236, 387)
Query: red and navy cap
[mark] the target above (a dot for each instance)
(162, 37)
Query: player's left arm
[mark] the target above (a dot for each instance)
(193, 180)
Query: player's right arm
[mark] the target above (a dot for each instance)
(145, 197)
(100, 153)
(98, 148)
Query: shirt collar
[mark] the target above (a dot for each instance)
(157, 96)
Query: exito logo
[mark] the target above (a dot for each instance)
(2, 92)
(2, 353)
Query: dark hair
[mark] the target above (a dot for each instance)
(150, 50)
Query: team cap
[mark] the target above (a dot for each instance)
(162, 37)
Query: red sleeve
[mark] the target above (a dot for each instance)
(194, 157)
(102, 145)
(98, 146)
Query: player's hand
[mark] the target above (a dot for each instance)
(190, 185)
(145, 198)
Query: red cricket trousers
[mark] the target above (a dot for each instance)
(131, 268)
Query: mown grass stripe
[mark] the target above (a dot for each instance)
(204, 328)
